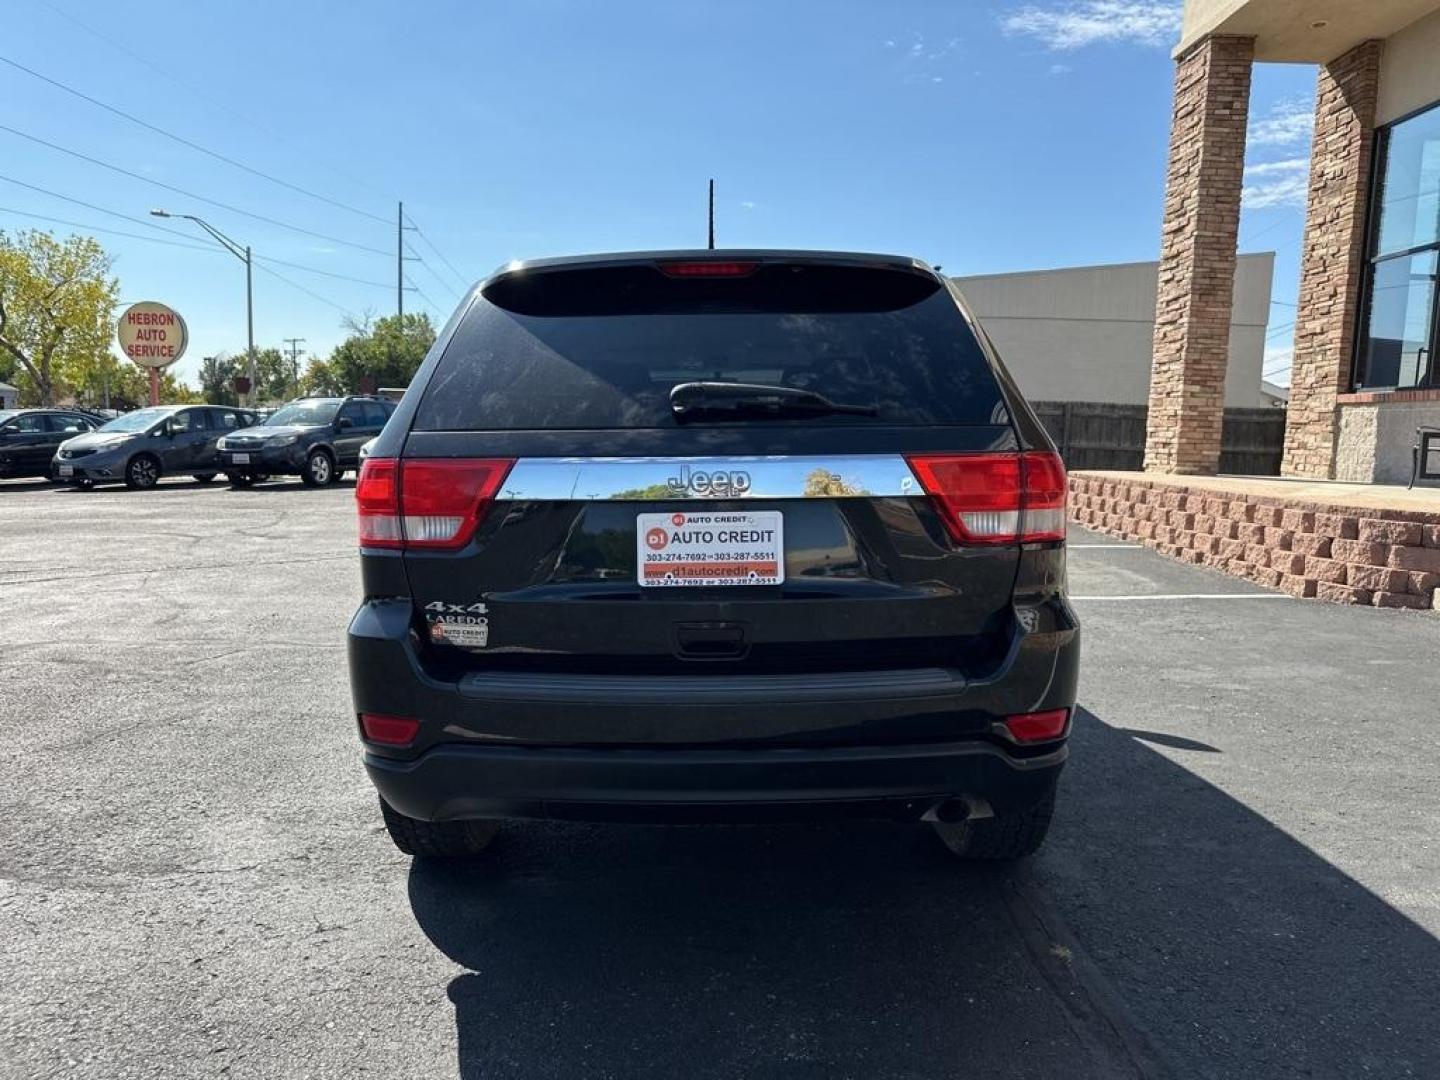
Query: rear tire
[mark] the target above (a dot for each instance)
(240, 479)
(437, 839)
(1002, 838)
(205, 478)
(318, 470)
(141, 472)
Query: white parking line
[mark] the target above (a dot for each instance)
(1192, 596)
(1104, 547)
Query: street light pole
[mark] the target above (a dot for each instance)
(243, 254)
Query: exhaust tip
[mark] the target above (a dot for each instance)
(952, 811)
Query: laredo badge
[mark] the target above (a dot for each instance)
(461, 625)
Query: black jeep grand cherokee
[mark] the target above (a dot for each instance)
(714, 536)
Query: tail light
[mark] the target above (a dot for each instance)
(996, 498)
(426, 502)
(388, 730)
(1038, 726)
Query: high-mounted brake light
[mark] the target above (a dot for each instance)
(996, 498)
(426, 502)
(708, 268)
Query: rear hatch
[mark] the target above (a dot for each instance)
(710, 468)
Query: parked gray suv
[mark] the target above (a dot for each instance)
(137, 449)
(314, 438)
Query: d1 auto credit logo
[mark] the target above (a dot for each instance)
(677, 520)
(656, 539)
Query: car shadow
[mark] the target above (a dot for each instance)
(289, 484)
(1160, 905)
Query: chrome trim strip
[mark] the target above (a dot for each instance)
(666, 478)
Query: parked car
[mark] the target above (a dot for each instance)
(140, 447)
(714, 535)
(315, 438)
(30, 437)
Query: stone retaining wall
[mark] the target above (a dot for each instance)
(1343, 555)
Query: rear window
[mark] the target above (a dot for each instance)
(602, 348)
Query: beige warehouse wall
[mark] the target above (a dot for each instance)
(1410, 69)
(1085, 334)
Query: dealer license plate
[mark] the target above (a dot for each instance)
(723, 548)
(240, 459)
(67, 470)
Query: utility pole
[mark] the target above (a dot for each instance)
(712, 213)
(294, 343)
(400, 258)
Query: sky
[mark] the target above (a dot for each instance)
(981, 136)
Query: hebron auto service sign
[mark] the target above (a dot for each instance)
(152, 334)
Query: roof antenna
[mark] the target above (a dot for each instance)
(712, 213)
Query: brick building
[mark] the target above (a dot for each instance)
(1365, 373)
(1339, 524)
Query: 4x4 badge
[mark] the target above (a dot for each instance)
(727, 484)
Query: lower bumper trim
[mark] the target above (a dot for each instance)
(456, 782)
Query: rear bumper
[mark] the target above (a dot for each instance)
(905, 782)
(890, 742)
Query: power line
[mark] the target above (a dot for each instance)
(190, 194)
(102, 229)
(189, 143)
(443, 283)
(317, 270)
(1279, 330)
(141, 59)
(436, 308)
(97, 209)
(308, 292)
(465, 282)
(161, 228)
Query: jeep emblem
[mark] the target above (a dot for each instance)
(731, 484)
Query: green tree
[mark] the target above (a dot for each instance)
(57, 311)
(387, 352)
(217, 374)
(320, 378)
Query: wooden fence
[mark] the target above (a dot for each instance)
(1099, 435)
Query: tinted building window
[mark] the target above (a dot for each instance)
(1397, 345)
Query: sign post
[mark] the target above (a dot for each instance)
(153, 336)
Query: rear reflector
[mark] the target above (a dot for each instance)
(389, 730)
(708, 269)
(426, 502)
(1038, 726)
(996, 498)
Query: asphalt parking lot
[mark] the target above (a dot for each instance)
(1243, 880)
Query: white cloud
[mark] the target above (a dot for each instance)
(1077, 23)
(1275, 184)
(1060, 69)
(746, 204)
(1288, 123)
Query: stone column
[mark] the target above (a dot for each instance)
(1197, 256)
(1333, 258)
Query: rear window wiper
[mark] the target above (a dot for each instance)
(755, 401)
